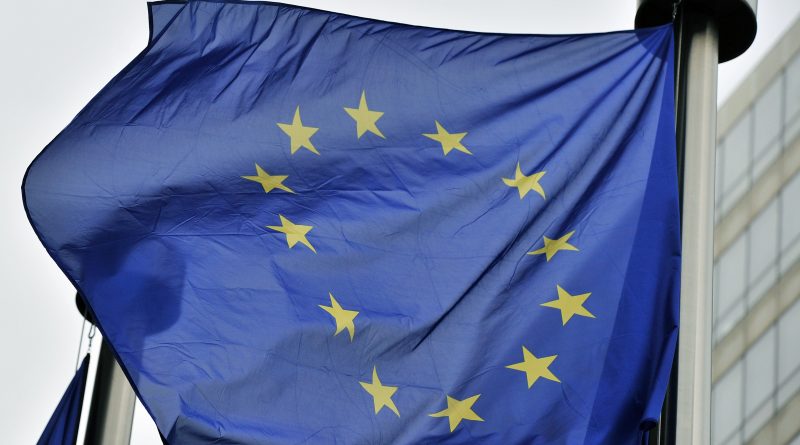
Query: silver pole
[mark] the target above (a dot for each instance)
(696, 136)
(113, 400)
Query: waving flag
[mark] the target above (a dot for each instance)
(296, 226)
(62, 428)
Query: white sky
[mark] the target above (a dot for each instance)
(57, 54)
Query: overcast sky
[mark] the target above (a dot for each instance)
(57, 54)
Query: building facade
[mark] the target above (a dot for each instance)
(756, 331)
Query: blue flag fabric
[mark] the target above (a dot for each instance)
(62, 429)
(296, 226)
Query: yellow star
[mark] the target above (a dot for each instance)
(569, 305)
(381, 395)
(524, 184)
(343, 317)
(295, 233)
(300, 135)
(449, 141)
(365, 118)
(552, 246)
(458, 410)
(268, 181)
(535, 367)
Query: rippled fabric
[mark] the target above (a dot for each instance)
(62, 428)
(296, 226)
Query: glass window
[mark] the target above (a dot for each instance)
(788, 350)
(735, 160)
(726, 400)
(791, 131)
(716, 333)
(792, 100)
(767, 126)
(758, 419)
(789, 388)
(759, 372)
(718, 177)
(715, 290)
(736, 439)
(732, 281)
(763, 252)
(790, 223)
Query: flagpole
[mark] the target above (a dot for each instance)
(707, 33)
(696, 136)
(110, 418)
(111, 412)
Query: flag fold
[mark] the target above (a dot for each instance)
(62, 428)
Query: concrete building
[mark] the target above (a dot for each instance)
(756, 334)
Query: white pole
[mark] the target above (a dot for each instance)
(696, 135)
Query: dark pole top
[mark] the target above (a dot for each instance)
(85, 312)
(736, 20)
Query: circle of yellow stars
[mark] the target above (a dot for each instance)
(366, 120)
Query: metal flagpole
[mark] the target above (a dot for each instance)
(696, 136)
(707, 33)
(113, 400)
(111, 412)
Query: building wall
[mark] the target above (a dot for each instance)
(756, 332)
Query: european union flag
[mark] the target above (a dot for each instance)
(296, 226)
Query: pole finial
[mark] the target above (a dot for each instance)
(735, 20)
